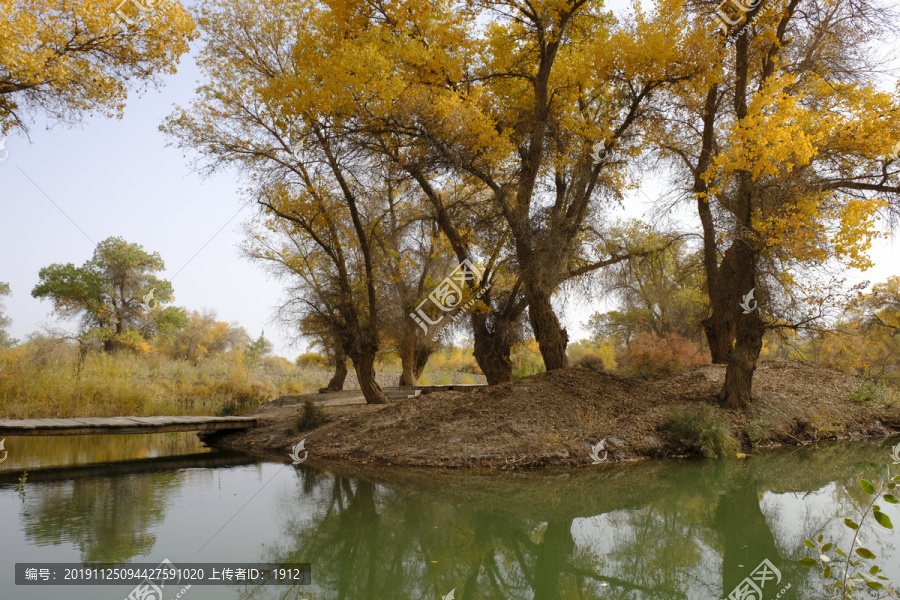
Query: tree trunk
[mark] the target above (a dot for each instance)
(407, 359)
(336, 353)
(720, 327)
(719, 336)
(551, 337)
(422, 354)
(742, 362)
(364, 364)
(336, 384)
(492, 349)
(414, 355)
(740, 265)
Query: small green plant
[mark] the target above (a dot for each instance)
(20, 487)
(759, 427)
(869, 391)
(311, 416)
(701, 431)
(852, 572)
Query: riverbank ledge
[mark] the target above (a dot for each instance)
(553, 420)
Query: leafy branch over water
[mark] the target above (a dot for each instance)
(852, 572)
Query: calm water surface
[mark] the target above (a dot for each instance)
(674, 529)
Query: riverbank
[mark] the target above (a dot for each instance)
(551, 419)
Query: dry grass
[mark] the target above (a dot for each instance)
(47, 378)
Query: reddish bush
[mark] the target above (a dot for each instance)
(652, 356)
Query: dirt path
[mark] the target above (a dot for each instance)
(552, 419)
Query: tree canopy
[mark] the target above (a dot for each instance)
(113, 291)
(62, 59)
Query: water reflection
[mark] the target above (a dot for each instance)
(667, 530)
(42, 452)
(674, 530)
(108, 519)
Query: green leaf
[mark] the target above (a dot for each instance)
(883, 519)
(896, 478)
(827, 547)
(874, 585)
(840, 552)
(867, 486)
(849, 523)
(821, 537)
(875, 570)
(891, 485)
(865, 553)
(809, 543)
(827, 572)
(808, 561)
(891, 498)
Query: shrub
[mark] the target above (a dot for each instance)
(311, 416)
(591, 355)
(649, 355)
(452, 360)
(869, 391)
(758, 429)
(311, 359)
(701, 431)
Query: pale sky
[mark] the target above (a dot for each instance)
(118, 178)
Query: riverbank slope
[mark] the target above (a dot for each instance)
(551, 419)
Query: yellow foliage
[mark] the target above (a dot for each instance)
(66, 57)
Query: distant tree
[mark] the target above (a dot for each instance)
(866, 341)
(6, 341)
(108, 291)
(660, 293)
(203, 336)
(258, 348)
(63, 59)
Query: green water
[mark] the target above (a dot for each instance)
(674, 529)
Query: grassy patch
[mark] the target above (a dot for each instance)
(869, 391)
(701, 431)
(311, 416)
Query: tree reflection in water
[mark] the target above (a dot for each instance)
(657, 530)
